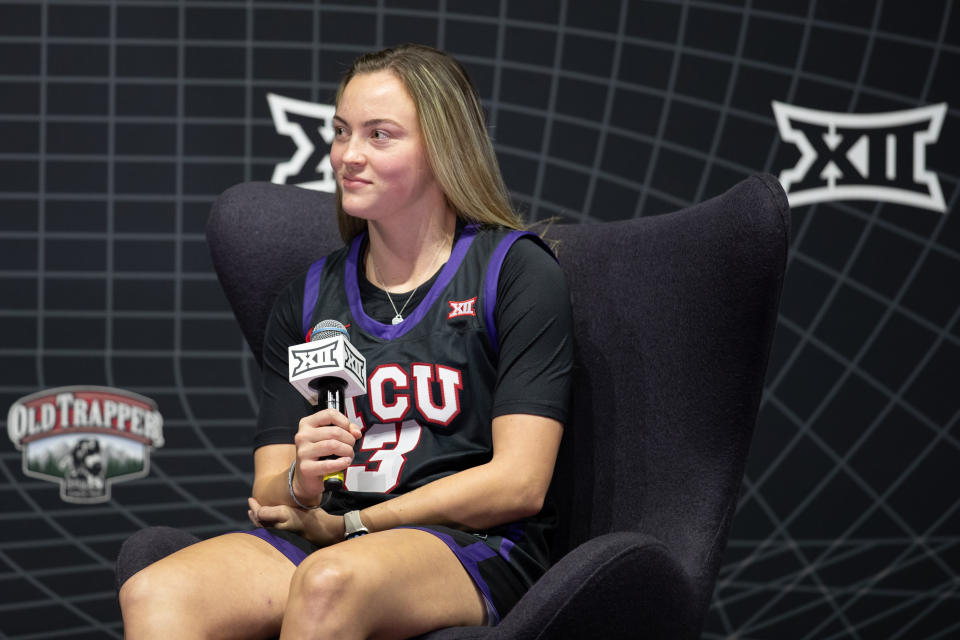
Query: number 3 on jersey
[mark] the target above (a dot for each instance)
(387, 461)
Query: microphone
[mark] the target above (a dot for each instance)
(327, 371)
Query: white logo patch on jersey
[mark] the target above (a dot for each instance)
(462, 308)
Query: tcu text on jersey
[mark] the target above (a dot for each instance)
(394, 394)
(855, 156)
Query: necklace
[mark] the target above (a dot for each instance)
(398, 318)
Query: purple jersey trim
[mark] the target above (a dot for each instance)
(294, 554)
(470, 557)
(490, 284)
(393, 331)
(311, 289)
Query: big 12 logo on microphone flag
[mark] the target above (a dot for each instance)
(85, 438)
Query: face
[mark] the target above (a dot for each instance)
(378, 153)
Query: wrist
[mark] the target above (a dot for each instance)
(291, 482)
(297, 484)
(353, 526)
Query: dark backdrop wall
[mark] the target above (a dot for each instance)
(121, 120)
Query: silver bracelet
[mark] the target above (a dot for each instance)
(293, 465)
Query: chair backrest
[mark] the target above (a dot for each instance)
(674, 318)
(261, 236)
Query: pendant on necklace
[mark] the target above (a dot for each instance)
(397, 319)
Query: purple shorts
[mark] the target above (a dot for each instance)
(488, 564)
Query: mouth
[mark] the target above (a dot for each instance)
(349, 182)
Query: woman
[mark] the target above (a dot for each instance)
(465, 325)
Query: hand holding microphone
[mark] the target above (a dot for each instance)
(324, 442)
(327, 371)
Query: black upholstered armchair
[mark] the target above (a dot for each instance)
(674, 318)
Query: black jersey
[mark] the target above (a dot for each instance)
(429, 403)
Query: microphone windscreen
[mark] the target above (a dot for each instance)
(328, 329)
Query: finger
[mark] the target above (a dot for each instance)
(253, 517)
(326, 417)
(285, 525)
(310, 435)
(356, 431)
(270, 515)
(324, 449)
(253, 504)
(319, 468)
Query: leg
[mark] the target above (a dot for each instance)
(231, 586)
(394, 584)
(146, 547)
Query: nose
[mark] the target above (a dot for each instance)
(352, 154)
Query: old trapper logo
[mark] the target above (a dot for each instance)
(310, 125)
(857, 156)
(85, 438)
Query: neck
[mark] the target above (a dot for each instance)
(402, 256)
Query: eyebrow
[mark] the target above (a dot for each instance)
(371, 123)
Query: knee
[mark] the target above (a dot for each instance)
(323, 577)
(157, 602)
(144, 590)
(328, 585)
(160, 586)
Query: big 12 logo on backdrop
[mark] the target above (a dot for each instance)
(861, 156)
(310, 126)
(85, 438)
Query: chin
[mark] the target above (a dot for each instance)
(356, 207)
(361, 211)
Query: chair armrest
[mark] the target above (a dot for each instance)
(619, 585)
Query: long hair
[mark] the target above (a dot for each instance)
(458, 148)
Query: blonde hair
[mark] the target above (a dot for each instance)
(458, 148)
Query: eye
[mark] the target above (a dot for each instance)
(339, 131)
(379, 134)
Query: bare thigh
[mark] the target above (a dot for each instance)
(393, 584)
(232, 586)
